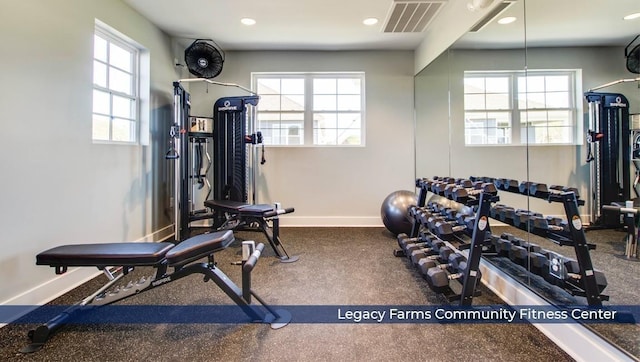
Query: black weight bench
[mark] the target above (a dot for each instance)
(161, 256)
(240, 215)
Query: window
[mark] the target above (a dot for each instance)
(311, 108)
(539, 107)
(115, 88)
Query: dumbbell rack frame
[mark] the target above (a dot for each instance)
(480, 228)
(579, 243)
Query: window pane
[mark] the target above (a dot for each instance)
(498, 101)
(349, 120)
(100, 74)
(325, 136)
(123, 130)
(531, 100)
(497, 85)
(268, 86)
(120, 57)
(349, 137)
(99, 48)
(101, 102)
(292, 103)
(474, 101)
(100, 128)
(269, 103)
(122, 107)
(534, 84)
(349, 86)
(559, 134)
(325, 120)
(557, 83)
(292, 86)
(120, 81)
(324, 86)
(473, 85)
(558, 100)
(559, 118)
(348, 103)
(324, 103)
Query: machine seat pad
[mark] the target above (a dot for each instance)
(225, 205)
(103, 255)
(198, 247)
(256, 210)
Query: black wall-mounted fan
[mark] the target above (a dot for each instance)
(633, 57)
(204, 58)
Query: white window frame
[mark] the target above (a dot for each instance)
(112, 36)
(308, 122)
(575, 106)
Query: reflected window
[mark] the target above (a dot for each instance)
(321, 109)
(115, 88)
(514, 107)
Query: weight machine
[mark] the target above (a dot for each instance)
(224, 143)
(609, 155)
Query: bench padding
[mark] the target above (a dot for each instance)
(198, 247)
(136, 254)
(241, 208)
(103, 255)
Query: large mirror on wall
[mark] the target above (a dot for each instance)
(540, 97)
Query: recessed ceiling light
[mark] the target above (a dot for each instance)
(370, 21)
(632, 16)
(248, 21)
(507, 20)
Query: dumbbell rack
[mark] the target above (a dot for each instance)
(576, 237)
(471, 274)
(573, 235)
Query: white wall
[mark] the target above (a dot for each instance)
(334, 185)
(563, 165)
(57, 186)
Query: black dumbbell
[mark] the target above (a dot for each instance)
(437, 251)
(446, 230)
(543, 225)
(452, 264)
(574, 277)
(438, 279)
(404, 239)
(427, 245)
(463, 195)
(523, 219)
(518, 255)
(539, 263)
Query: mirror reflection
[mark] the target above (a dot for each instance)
(541, 104)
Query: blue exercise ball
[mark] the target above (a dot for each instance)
(395, 211)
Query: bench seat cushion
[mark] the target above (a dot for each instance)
(103, 255)
(198, 247)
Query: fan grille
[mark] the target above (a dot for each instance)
(204, 59)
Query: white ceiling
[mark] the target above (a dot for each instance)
(337, 24)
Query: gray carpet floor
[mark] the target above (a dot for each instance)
(344, 266)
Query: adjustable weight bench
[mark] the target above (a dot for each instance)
(161, 256)
(239, 215)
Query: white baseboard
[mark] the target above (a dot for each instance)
(330, 221)
(61, 284)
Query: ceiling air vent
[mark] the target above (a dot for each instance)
(491, 15)
(411, 16)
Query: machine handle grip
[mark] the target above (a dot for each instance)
(273, 213)
(622, 210)
(253, 259)
(172, 154)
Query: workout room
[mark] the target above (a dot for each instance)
(303, 180)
